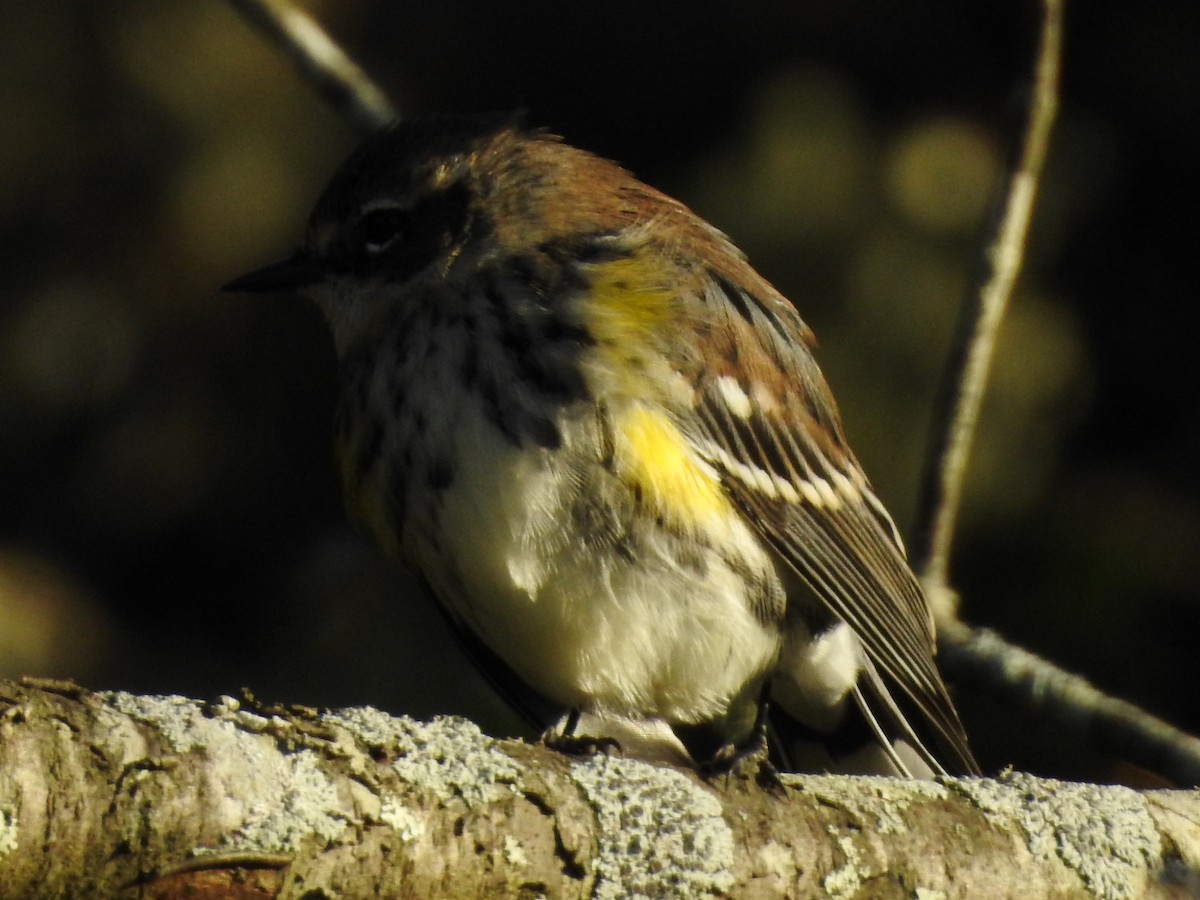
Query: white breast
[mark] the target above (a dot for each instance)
(632, 630)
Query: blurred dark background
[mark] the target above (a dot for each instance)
(170, 519)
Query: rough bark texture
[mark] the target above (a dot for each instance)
(106, 795)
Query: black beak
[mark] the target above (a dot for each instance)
(289, 274)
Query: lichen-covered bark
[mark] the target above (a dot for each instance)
(106, 795)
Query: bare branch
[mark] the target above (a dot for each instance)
(961, 395)
(321, 61)
(983, 657)
(164, 796)
(1049, 693)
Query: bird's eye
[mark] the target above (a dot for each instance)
(379, 228)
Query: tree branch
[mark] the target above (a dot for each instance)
(338, 78)
(982, 658)
(985, 658)
(163, 795)
(957, 408)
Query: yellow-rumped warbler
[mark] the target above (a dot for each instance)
(602, 438)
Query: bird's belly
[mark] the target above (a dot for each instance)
(593, 605)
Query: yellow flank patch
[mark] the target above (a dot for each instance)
(652, 454)
(629, 305)
(632, 311)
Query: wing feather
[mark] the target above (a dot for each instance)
(784, 461)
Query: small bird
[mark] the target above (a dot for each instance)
(602, 438)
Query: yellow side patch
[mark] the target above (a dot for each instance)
(633, 313)
(632, 310)
(630, 304)
(652, 454)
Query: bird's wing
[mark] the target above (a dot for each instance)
(764, 417)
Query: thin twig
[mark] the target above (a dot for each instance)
(983, 657)
(321, 61)
(1051, 694)
(961, 395)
